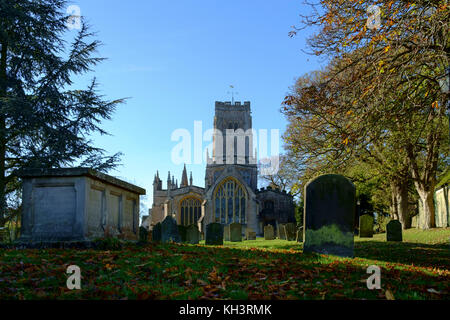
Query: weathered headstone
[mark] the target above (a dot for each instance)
(268, 233)
(192, 234)
(214, 234)
(290, 231)
(169, 230)
(182, 232)
(366, 226)
(329, 216)
(3, 234)
(150, 235)
(281, 232)
(143, 234)
(250, 234)
(299, 234)
(235, 232)
(226, 232)
(156, 232)
(394, 231)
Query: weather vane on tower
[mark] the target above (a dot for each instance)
(232, 92)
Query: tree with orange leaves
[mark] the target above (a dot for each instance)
(388, 59)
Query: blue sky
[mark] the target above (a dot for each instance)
(174, 59)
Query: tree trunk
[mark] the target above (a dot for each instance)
(401, 201)
(394, 207)
(3, 136)
(427, 197)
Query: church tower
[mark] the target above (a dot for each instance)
(232, 143)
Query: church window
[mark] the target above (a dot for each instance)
(190, 209)
(230, 202)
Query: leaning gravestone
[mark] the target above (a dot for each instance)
(192, 234)
(143, 235)
(235, 232)
(214, 234)
(250, 234)
(394, 231)
(268, 233)
(156, 232)
(366, 226)
(290, 231)
(226, 232)
(182, 232)
(329, 216)
(169, 230)
(281, 232)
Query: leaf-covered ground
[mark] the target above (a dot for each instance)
(249, 270)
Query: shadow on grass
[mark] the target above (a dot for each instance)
(419, 254)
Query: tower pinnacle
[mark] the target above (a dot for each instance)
(184, 178)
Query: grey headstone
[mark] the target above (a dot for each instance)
(226, 232)
(394, 231)
(182, 232)
(299, 234)
(290, 231)
(329, 216)
(143, 234)
(156, 232)
(250, 234)
(281, 232)
(214, 234)
(192, 234)
(169, 230)
(235, 232)
(268, 233)
(366, 226)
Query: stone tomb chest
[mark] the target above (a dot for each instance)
(77, 204)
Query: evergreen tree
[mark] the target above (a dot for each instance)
(43, 122)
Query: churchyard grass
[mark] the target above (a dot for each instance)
(257, 269)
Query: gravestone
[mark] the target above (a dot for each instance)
(3, 234)
(169, 230)
(143, 234)
(366, 226)
(268, 233)
(299, 234)
(214, 234)
(156, 232)
(329, 216)
(235, 232)
(290, 231)
(394, 231)
(182, 232)
(250, 234)
(281, 232)
(192, 234)
(150, 235)
(226, 232)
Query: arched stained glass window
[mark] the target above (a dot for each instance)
(190, 211)
(230, 202)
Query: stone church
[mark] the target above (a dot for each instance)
(230, 193)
